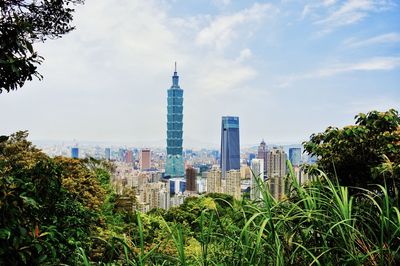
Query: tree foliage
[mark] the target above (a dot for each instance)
(48, 207)
(361, 154)
(22, 23)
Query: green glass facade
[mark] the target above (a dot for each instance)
(174, 165)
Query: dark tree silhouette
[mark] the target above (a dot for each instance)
(22, 23)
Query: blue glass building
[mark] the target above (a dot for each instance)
(177, 185)
(230, 144)
(251, 157)
(75, 153)
(295, 156)
(172, 186)
(174, 165)
(182, 186)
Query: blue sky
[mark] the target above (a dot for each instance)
(287, 68)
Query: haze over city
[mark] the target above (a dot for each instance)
(286, 68)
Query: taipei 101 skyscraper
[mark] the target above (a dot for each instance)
(174, 165)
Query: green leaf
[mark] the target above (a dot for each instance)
(38, 247)
(5, 233)
(30, 201)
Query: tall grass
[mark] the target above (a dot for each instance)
(316, 224)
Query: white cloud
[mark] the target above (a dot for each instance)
(223, 76)
(353, 11)
(221, 2)
(350, 12)
(328, 2)
(309, 8)
(107, 80)
(306, 10)
(363, 104)
(380, 39)
(377, 63)
(372, 64)
(224, 29)
(244, 55)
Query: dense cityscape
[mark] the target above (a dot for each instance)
(163, 178)
(278, 143)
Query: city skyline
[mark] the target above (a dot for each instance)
(286, 68)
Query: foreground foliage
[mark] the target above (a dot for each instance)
(48, 206)
(318, 224)
(362, 154)
(64, 211)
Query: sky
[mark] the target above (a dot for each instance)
(287, 68)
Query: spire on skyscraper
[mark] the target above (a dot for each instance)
(175, 78)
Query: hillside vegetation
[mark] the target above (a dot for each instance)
(64, 211)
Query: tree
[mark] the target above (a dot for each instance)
(361, 154)
(22, 23)
(48, 206)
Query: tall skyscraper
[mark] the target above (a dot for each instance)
(145, 159)
(295, 156)
(75, 152)
(257, 178)
(230, 144)
(191, 179)
(174, 165)
(262, 154)
(276, 171)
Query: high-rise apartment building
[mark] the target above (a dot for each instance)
(174, 165)
(276, 171)
(295, 156)
(151, 195)
(245, 172)
(75, 152)
(214, 177)
(262, 154)
(233, 183)
(164, 199)
(191, 179)
(257, 178)
(230, 144)
(129, 156)
(145, 159)
(107, 153)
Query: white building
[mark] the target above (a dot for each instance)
(164, 199)
(201, 185)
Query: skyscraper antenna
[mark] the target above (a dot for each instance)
(175, 66)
